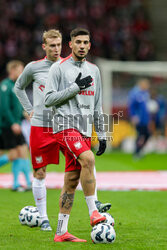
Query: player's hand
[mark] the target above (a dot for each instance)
(28, 116)
(135, 120)
(16, 128)
(31, 114)
(84, 82)
(102, 147)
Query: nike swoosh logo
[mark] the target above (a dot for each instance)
(38, 199)
(70, 239)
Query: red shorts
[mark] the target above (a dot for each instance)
(43, 147)
(72, 144)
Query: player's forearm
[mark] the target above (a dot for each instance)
(99, 116)
(23, 98)
(101, 134)
(57, 98)
(99, 124)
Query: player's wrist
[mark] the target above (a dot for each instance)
(75, 88)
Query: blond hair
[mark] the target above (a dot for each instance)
(51, 34)
(13, 64)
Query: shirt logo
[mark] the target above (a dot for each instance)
(83, 106)
(41, 87)
(77, 145)
(4, 88)
(87, 92)
(38, 159)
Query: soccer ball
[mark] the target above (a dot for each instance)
(109, 219)
(22, 214)
(103, 233)
(32, 218)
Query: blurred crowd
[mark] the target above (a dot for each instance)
(120, 29)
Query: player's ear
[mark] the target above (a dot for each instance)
(70, 44)
(89, 45)
(44, 46)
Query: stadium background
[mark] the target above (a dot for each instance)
(122, 30)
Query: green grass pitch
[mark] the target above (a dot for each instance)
(116, 161)
(141, 221)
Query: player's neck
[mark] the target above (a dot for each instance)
(50, 59)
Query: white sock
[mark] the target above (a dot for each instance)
(39, 192)
(90, 200)
(62, 224)
(96, 184)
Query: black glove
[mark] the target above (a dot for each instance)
(84, 82)
(102, 147)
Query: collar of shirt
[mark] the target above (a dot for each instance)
(45, 58)
(77, 63)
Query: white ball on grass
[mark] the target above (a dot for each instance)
(103, 233)
(109, 219)
(22, 214)
(32, 218)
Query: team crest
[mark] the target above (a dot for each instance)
(38, 159)
(77, 145)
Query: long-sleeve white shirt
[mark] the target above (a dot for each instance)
(74, 108)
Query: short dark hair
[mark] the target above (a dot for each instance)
(78, 32)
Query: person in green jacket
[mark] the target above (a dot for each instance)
(1, 140)
(11, 137)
